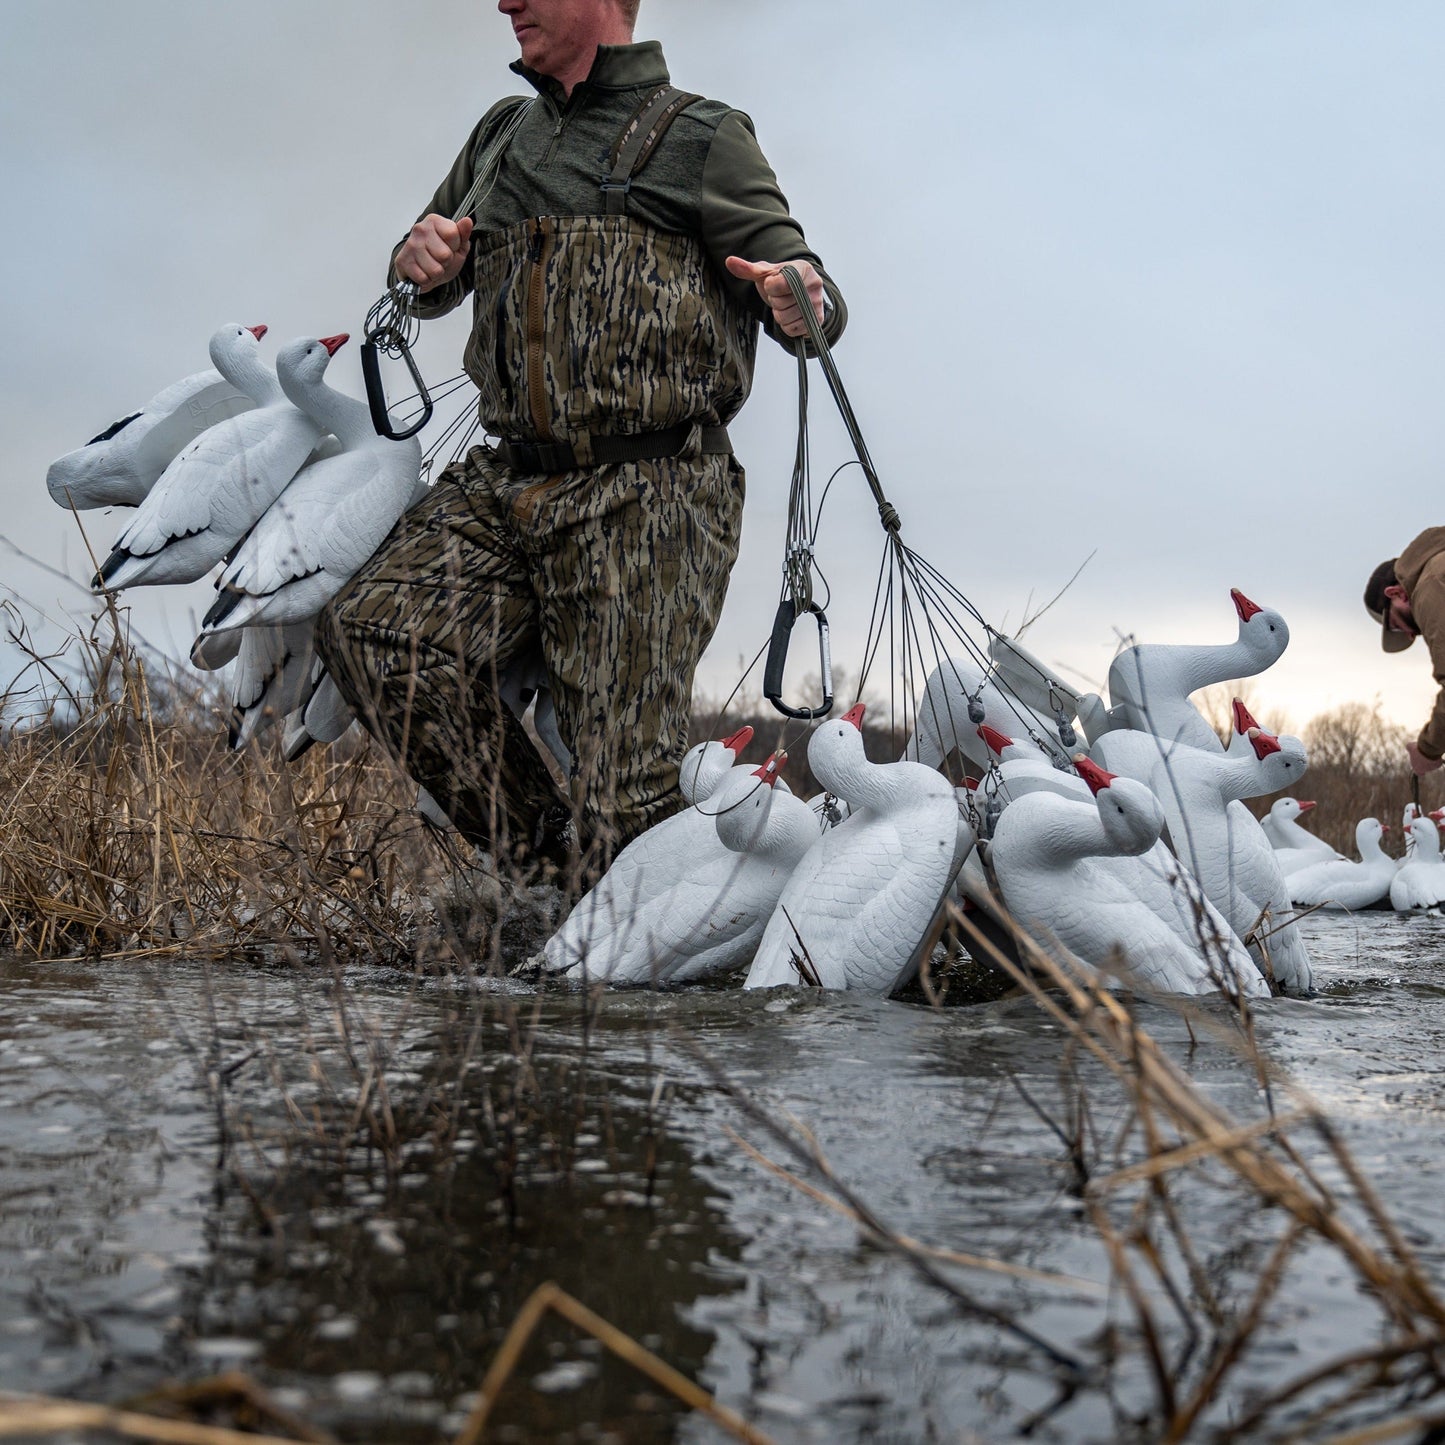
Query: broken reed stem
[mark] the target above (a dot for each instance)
(551, 1296)
(33, 1416)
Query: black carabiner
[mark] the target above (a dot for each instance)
(371, 348)
(788, 614)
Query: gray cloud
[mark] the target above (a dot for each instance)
(1155, 282)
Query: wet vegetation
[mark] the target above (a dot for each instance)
(390, 1183)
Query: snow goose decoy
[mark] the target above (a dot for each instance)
(650, 864)
(1295, 847)
(119, 467)
(1339, 883)
(957, 699)
(1151, 682)
(1419, 882)
(1155, 875)
(316, 535)
(861, 907)
(1056, 860)
(213, 492)
(1030, 680)
(711, 918)
(1222, 843)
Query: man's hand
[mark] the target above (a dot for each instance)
(1419, 763)
(773, 287)
(434, 252)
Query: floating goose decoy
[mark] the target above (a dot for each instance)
(1419, 882)
(860, 909)
(650, 864)
(119, 467)
(1054, 859)
(1411, 812)
(525, 682)
(709, 920)
(1339, 883)
(1295, 847)
(1151, 682)
(1223, 845)
(213, 492)
(1156, 876)
(319, 532)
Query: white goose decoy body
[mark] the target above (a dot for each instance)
(1156, 876)
(271, 677)
(1222, 843)
(214, 491)
(1151, 682)
(710, 920)
(119, 467)
(1419, 882)
(1056, 860)
(860, 908)
(1295, 847)
(1339, 883)
(957, 698)
(649, 865)
(328, 522)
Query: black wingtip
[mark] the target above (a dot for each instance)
(221, 608)
(112, 564)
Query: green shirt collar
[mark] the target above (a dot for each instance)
(617, 67)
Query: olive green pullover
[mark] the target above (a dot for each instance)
(707, 178)
(1420, 570)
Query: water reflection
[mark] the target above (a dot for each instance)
(349, 1186)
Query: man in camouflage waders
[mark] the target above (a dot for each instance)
(614, 334)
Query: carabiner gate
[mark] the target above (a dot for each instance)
(384, 338)
(787, 615)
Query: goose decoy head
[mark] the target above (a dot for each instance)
(1243, 718)
(772, 768)
(1243, 606)
(1263, 743)
(1095, 776)
(994, 740)
(738, 740)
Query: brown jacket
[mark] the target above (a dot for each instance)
(1420, 570)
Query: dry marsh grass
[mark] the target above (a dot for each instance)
(128, 827)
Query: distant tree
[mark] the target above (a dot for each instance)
(1356, 739)
(1215, 704)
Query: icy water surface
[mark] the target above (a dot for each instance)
(347, 1188)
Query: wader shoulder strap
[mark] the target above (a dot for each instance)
(637, 142)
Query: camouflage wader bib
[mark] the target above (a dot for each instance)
(594, 326)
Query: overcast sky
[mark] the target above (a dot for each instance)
(1160, 284)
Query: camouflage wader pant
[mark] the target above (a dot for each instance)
(616, 575)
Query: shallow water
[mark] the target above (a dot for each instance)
(347, 1187)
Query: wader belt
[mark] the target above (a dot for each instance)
(637, 142)
(533, 459)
